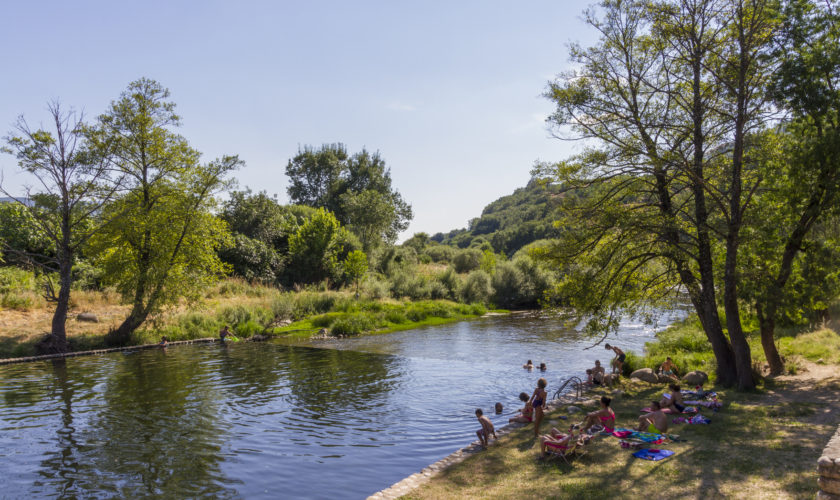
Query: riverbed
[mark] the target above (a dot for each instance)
(333, 419)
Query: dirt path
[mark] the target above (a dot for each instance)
(816, 386)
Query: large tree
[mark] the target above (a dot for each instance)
(162, 245)
(357, 189)
(73, 186)
(666, 100)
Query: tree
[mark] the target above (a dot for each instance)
(355, 266)
(162, 242)
(317, 247)
(806, 179)
(357, 189)
(75, 186)
(667, 100)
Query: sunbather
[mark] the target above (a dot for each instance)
(673, 399)
(604, 417)
(655, 422)
(526, 414)
(556, 440)
(596, 373)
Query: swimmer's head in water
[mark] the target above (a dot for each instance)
(499, 407)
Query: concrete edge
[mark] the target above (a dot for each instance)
(45, 357)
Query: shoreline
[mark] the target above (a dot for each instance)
(410, 483)
(72, 354)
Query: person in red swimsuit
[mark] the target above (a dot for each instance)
(526, 414)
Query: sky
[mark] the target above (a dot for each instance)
(449, 92)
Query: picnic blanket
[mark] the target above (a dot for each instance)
(652, 454)
(688, 409)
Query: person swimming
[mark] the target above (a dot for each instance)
(529, 365)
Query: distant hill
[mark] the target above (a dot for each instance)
(512, 221)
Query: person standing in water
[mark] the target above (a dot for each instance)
(618, 361)
(224, 333)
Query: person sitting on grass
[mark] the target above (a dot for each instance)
(556, 440)
(604, 416)
(538, 401)
(486, 428)
(526, 414)
(655, 422)
(673, 399)
(618, 360)
(669, 369)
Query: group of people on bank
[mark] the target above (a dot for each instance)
(655, 420)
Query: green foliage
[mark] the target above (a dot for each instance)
(161, 240)
(488, 261)
(476, 288)
(357, 189)
(317, 247)
(355, 267)
(21, 236)
(508, 223)
(467, 260)
(351, 325)
(821, 345)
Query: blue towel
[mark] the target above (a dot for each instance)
(650, 454)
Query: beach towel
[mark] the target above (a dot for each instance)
(688, 409)
(696, 419)
(651, 454)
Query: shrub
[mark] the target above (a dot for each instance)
(21, 301)
(351, 325)
(476, 288)
(16, 279)
(509, 286)
(467, 260)
(283, 306)
(451, 282)
(374, 288)
(311, 303)
(196, 325)
(440, 253)
(396, 317)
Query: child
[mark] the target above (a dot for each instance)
(542, 367)
(526, 414)
(486, 428)
(655, 422)
(529, 365)
(499, 408)
(538, 402)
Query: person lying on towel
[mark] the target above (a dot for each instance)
(673, 399)
(655, 422)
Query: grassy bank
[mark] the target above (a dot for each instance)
(248, 309)
(760, 445)
(688, 347)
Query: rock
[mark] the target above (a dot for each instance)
(258, 338)
(89, 317)
(573, 409)
(646, 375)
(664, 379)
(323, 332)
(695, 378)
(284, 322)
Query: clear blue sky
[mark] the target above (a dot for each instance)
(448, 92)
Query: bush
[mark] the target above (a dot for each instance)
(86, 276)
(510, 288)
(351, 325)
(21, 301)
(440, 253)
(283, 306)
(451, 282)
(312, 303)
(476, 288)
(374, 288)
(14, 279)
(396, 317)
(467, 260)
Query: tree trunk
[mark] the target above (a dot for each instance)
(122, 334)
(767, 326)
(726, 368)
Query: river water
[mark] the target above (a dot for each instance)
(337, 419)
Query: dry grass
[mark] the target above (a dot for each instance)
(761, 445)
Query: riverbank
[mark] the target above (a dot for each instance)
(760, 445)
(248, 309)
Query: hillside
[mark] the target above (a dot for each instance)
(512, 221)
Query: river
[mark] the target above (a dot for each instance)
(335, 419)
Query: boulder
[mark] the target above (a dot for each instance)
(89, 317)
(646, 375)
(695, 378)
(664, 379)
